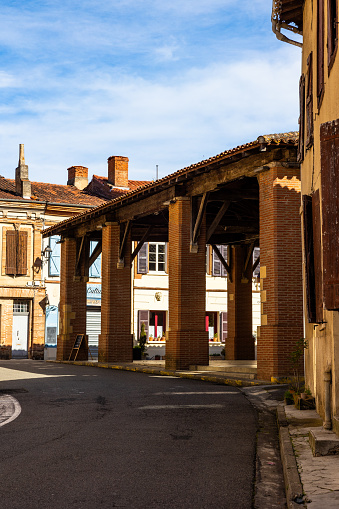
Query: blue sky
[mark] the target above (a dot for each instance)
(163, 83)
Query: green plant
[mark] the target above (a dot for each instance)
(142, 338)
(295, 358)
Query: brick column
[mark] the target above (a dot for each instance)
(187, 339)
(280, 270)
(240, 342)
(72, 303)
(115, 340)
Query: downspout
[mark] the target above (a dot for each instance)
(327, 424)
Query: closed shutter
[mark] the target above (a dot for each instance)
(332, 29)
(318, 275)
(22, 253)
(223, 326)
(309, 103)
(320, 50)
(11, 247)
(93, 326)
(309, 258)
(143, 259)
(301, 118)
(143, 317)
(329, 147)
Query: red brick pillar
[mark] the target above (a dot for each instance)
(115, 340)
(280, 271)
(187, 339)
(240, 342)
(72, 303)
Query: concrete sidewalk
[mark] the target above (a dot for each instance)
(310, 481)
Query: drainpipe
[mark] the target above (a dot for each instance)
(327, 424)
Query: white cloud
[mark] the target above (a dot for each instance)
(86, 118)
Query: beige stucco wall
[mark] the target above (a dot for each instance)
(323, 339)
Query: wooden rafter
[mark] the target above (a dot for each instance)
(223, 261)
(217, 219)
(141, 242)
(199, 218)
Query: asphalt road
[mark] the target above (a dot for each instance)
(97, 438)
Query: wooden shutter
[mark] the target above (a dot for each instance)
(21, 260)
(309, 103)
(332, 30)
(318, 276)
(223, 251)
(301, 118)
(309, 258)
(11, 249)
(143, 317)
(223, 326)
(143, 259)
(320, 50)
(329, 148)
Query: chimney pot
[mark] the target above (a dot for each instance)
(78, 177)
(118, 171)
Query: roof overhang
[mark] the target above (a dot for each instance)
(288, 15)
(230, 177)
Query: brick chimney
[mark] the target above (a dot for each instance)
(118, 171)
(78, 177)
(22, 183)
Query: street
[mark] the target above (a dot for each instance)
(90, 438)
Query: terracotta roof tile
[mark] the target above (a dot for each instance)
(96, 193)
(290, 138)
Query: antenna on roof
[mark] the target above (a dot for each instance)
(156, 172)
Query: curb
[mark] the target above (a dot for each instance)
(293, 486)
(221, 379)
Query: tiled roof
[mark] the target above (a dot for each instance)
(290, 138)
(97, 192)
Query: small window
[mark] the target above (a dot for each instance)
(51, 325)
(54, 258)
(256, 255)
(16, 252)
(156, 257)
(20, 306)
(332, 30)
(95, 268)
(218, 270)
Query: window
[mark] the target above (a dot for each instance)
(95, 268)
(20, 306)
(16, 252)
(157, 325)
(156, 257)
(309, 103)
(301, 118)
(54, 258)
(218, 269)
(256, 254)
(51, 325)
(332, 31)
(152, 258)
(320, 51)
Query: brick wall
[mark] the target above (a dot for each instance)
(280, 270)
(240, 342)
(187, 340)
(115, 340)
(72, 303)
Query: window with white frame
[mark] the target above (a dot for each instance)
(95, 268)
(54, 258)
(152, 258)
